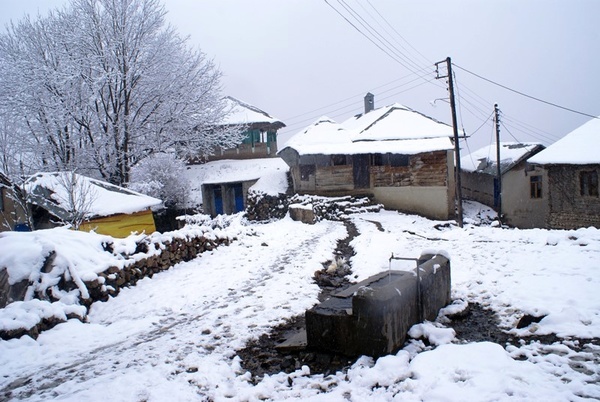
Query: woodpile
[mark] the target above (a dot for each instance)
(264, 207)
(336, 208)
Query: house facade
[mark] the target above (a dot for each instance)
(569, 170)
(520, 201)
(260, 130)
(65, 197)
(221, 187)
(401, 158)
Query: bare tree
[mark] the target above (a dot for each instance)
(77, 196)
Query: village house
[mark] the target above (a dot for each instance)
(221, 183)
(519, 203)
(12, 213)
(565, 175)
(222, 187)
(260, 130)
(400, 157)
(59, 198)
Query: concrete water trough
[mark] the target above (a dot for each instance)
(373, 317)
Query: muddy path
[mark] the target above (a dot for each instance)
(474, 324)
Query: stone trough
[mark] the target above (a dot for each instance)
(373, 317)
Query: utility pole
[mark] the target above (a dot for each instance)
(498, 169)
(459, 218)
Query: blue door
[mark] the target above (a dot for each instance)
(238, 194)
(218, 197)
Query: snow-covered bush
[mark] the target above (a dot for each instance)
(162, 176)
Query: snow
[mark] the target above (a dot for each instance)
(484, 159)
(579, 147)
(395, 122)
(174, 336)
(104, 198)
(271, 174)
(394, 129)
(242, 113)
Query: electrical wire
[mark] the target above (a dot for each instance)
(381, 38)
(524, 94)
(398, 55)
(354, 97)
(399, 35)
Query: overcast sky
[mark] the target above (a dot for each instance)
(299, 59)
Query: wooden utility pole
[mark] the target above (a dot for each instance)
(459, 218)
(498, 169)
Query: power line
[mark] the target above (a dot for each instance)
(353, 105)
(397, 55)
(524, 94)
(376, 33)
(354, 97)
(399, 35)
(368, 38)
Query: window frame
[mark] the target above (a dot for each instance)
(306, 171)
(588, 183)
(339, 160)
(398, 160)
(535, 187)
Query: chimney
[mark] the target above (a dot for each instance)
(369, 102)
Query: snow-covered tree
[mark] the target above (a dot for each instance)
(162, 176)
(102, 84)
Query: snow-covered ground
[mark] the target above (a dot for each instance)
(174, 337)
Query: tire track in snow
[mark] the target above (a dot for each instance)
(205, 332)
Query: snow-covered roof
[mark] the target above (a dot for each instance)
(511, 153)
(394, 128)
(395, 122)
(99, 198)
(579, 147)
(270, 173)
(241, 113)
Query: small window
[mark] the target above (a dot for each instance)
(588, 183)
(338, 160)
(535, 183)
(377, 160)
(398, 160)
(306, 171)
(1, 199)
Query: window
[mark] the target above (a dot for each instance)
(338, 160)
(306, 171)
(535, 183)
(398, 160)
(393, 160)
(1, 199)
(588, 183)
(377, 160)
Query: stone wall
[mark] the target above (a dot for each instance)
(157, 256)
(568, 209)
(111, 281)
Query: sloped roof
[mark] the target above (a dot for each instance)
(395, 122)
(579, 147)
(241, 113)
(51, 192)
(511, 153)
(394, 129)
